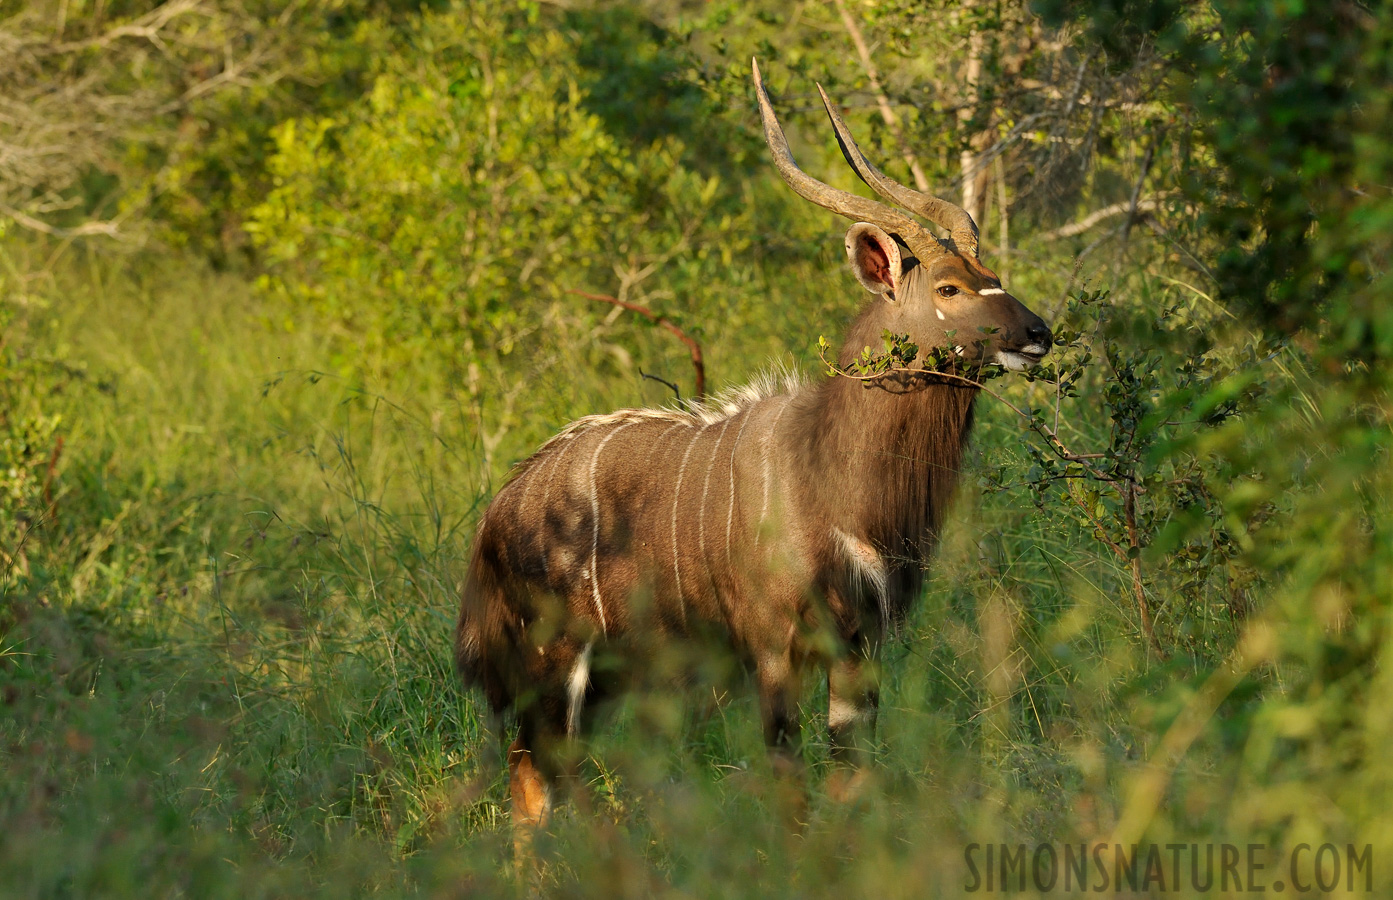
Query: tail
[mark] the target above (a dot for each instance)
(469, 638)
(480, 627)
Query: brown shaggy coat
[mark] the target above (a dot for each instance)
(791, 523)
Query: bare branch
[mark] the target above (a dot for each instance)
(109, 229)
(76, 95)
(693, 346)
(1136, 207)
(1132, 210)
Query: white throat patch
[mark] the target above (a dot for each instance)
(867, 568)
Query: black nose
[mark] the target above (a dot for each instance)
(1039, 333)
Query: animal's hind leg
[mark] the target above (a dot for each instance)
(531, 789)
(853, 697)
(539, 761)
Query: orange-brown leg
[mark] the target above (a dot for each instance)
(530, 792)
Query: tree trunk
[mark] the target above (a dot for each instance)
(974, 173)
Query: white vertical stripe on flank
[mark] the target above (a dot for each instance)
(575, 689)
(768, 454)
(706, 489)
(730, 510)
(551, 473)
(526, 476)
(656, 441)
(676, 496)
(546, 496)
(595, 535)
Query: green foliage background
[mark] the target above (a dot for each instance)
(244, 442)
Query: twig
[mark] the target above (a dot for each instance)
(658, 378)
(693, 347)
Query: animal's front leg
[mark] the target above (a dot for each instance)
(778, 708)
(853, 698)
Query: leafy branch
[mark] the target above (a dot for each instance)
(947, 364)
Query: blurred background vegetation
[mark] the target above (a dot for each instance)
(285, 288)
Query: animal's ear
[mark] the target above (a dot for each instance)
(874, 257)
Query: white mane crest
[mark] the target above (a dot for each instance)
(770, 383)
(619, 416)
(717, 408)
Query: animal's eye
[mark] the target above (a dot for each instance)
(947, 291)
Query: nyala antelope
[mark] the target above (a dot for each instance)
(793, 522)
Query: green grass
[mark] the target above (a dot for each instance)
(226, 670)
